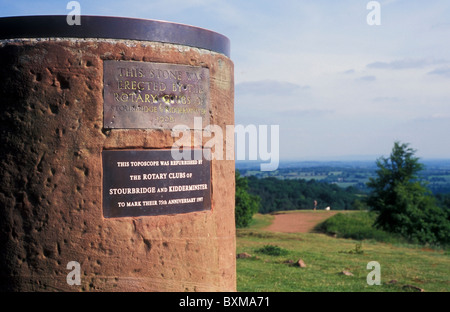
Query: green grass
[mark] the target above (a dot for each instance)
(326, 257)
(261, 221)
(357, 225)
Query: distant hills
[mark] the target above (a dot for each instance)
(345, 173)
(370, 162)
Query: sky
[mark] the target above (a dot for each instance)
(338, 87)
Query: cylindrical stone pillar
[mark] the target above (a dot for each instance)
(94, 193)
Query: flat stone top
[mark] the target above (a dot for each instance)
(49, 26)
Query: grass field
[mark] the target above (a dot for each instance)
(326, 257)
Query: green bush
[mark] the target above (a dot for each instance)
(246, 204)
(272, 250)
(356, 225)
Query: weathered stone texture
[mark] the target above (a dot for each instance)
(52, 137)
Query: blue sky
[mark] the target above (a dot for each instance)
(335, 85)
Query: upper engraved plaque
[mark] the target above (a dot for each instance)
(142, 95)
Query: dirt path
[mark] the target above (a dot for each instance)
(298, 222)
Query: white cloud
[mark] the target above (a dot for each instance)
(406, 64)
(367, 78)
(442, 71)
(265, 87)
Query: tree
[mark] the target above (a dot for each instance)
(404, 204)
(246, 204)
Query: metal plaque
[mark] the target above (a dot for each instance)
(151, 182)
(143, 95)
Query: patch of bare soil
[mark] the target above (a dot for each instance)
(298, 222)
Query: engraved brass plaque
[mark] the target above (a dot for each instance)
(151, 182)
(143, 95)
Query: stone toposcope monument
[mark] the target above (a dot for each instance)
(93, 196)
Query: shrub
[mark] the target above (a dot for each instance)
(246, 204)
(272, 250)
(356, 225)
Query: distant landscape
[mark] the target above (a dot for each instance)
(316, 226)
(347, 173)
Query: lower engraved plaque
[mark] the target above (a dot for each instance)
(151, 182)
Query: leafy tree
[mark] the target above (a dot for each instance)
(246, 204)
(403, 202)
(290, 194)
(359, 205)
